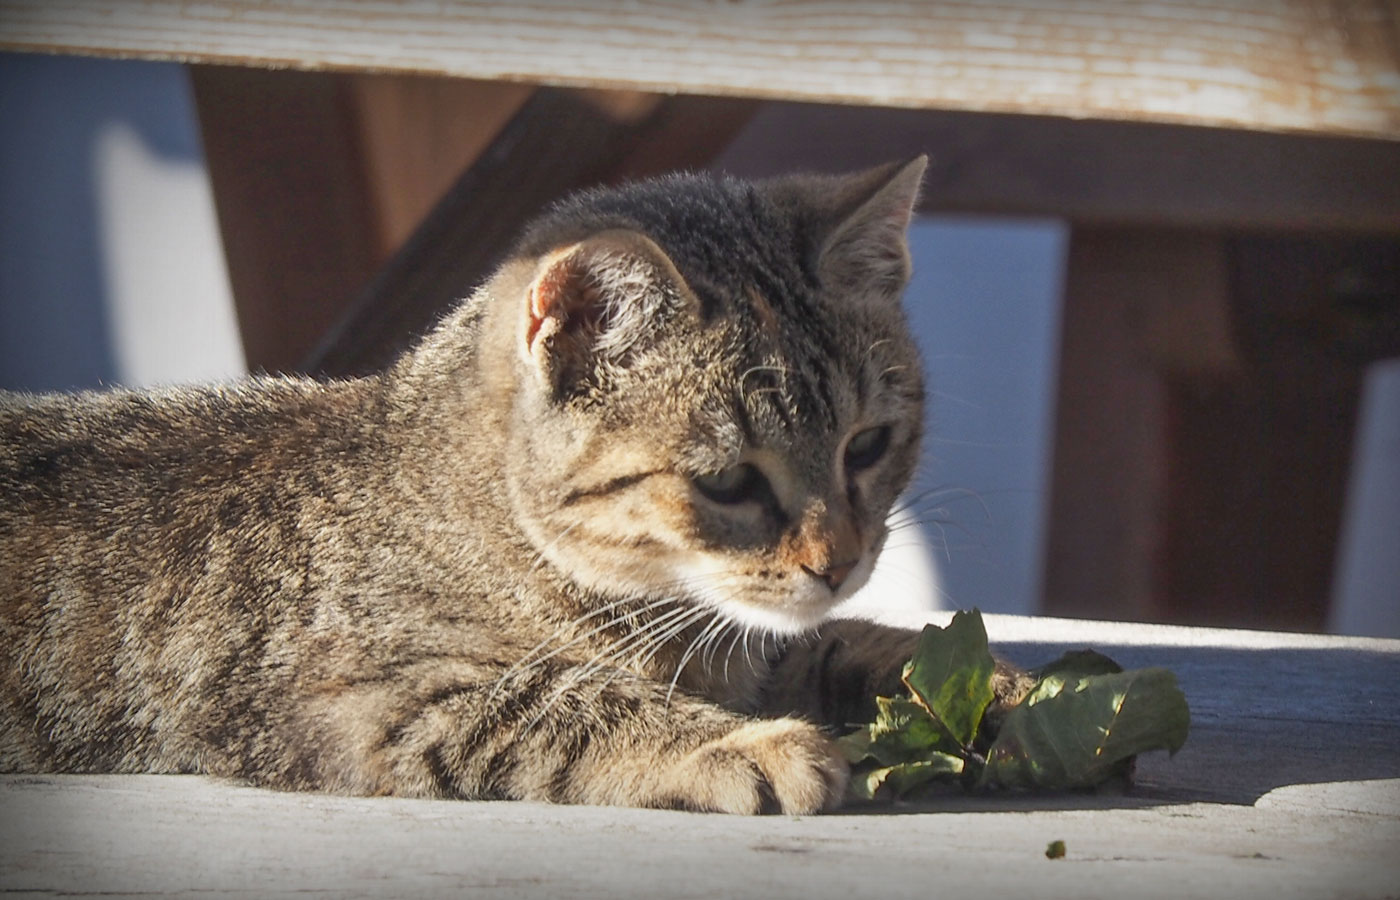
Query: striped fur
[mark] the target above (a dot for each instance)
(516, 564)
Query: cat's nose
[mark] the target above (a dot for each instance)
(834, 576)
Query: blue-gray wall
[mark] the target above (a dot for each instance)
(53, 328)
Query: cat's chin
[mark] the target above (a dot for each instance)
(775, 621)
(797, 612)
(800, 609)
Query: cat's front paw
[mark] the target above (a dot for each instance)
(774, 766)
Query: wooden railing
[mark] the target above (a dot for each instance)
(1291, 65)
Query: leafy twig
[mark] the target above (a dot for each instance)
(1081, 724)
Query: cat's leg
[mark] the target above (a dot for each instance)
(834, 676)
(583, 734)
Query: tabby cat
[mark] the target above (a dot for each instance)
(576, 546)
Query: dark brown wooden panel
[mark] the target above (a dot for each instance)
(293, 203)
(1207, 403)
(1105, 527)
(1256, 480)
(418, 134)
(1093, 172)
(558, 142)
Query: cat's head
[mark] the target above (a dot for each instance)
(716, 394)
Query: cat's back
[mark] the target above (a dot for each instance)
(125, 483)
(112, 442)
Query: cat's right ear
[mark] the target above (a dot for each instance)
(867, 248)
(594, 303)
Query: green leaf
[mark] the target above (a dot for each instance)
(950, 675)
(902, 732)
(898, 780)
(855, 746)
(1074, 731)
(905, 732)
(1078, 662)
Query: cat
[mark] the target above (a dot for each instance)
(576, 546)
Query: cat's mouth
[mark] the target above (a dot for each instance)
(788, 603)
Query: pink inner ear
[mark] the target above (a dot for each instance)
(546, 297)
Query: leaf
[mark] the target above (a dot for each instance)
(905, 731)
(1078, 662)
(855, 746)
(898, 780)
(1074, 731)
(950, 675)
(902, 732)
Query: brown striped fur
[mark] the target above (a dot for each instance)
(496, 570)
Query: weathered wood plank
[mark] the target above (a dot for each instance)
(1306, 65)
(1288, 787)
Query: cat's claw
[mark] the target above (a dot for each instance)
(776, 766)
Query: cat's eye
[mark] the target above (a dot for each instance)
(867, 447)
(736, 484)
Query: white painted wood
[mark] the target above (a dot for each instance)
(1289, 787)
(1308, 65)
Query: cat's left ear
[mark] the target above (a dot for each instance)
(593, 303)
(867, 247)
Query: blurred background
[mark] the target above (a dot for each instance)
(113, 272)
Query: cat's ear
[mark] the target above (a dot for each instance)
(593, 303)
(867, 246)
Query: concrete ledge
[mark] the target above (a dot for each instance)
(1288, 787)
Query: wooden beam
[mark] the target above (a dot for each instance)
(1207, 400)
(558, 142)
(293, 203)
(318, 178)
(1092, 172)
(1306, 304)
(417, 135)
(1257, 470)
(1290, 65)
(1105, 527)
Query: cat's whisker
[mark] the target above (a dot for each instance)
(748, 653)
(611, 653)
(945, 495)
(915, 582)
(714, 632)
(782, 371)
(648, 642)
(671, 633)
(654, 636)
(739, 631)
(780, 388)
(913, 525)
(696, 643)
(529, 660)
(588, 669)
(716, 639)
(875, 345)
